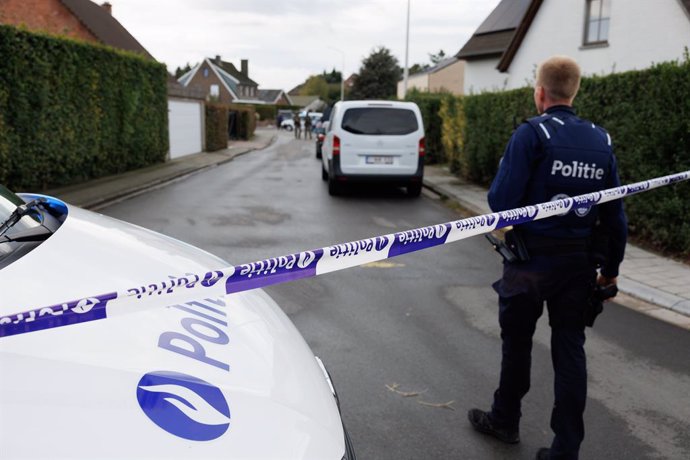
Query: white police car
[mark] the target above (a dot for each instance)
(210, 377)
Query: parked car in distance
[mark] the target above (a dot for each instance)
(287, 124)
(216, 376)
(320, 132)
(284, 115)
(374, 141)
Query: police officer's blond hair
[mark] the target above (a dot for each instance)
(560, 77)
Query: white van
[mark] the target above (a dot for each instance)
(374, 141)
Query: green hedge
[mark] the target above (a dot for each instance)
(217, 124)
(266, 112)
(430, 105)
(216, 127)
(648, 115)
(491, 118)
(71, 111)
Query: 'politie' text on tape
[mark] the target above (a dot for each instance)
(190, 286)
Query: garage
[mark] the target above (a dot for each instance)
(185, 124)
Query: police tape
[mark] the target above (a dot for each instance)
(233, 279)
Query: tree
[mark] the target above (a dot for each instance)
(418, 68)
(181, 71)
(315, 85)
(438, 57)
(331, 77)
(378, 76)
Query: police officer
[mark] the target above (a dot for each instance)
(554, 155)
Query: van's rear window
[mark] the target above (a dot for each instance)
(379, 121)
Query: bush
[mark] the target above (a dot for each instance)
(71, 111)
(216, 127)
(430, 104)
(491, 119)
(648, 115)
(453, 127)
(266, 112)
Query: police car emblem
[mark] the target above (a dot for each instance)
(183, 405)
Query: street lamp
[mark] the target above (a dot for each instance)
(342, 73)
(407, 48)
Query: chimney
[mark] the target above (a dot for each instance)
(108, 7)
(245, 67)
(217, 59)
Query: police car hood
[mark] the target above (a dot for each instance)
(225, 377)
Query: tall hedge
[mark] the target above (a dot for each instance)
(216, 127)
(266, 112)
(647, 114)
(71, 111)
(430, 105)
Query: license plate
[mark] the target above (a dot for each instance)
(379, 160)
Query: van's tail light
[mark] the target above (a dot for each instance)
(336, 145)
(422, 147)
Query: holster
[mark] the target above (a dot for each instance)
(596, 302)
(513, 250)
(517, 245)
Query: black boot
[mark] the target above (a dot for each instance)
(481, 422)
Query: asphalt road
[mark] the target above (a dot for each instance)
(412, 343)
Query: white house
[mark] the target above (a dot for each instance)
(604, 36)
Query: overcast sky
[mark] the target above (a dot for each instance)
(287, 41)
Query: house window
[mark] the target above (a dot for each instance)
(597, 21)
(205, 72)
(214, 91)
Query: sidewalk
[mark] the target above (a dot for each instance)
(107, 190)
(643, 275)
(662, 285)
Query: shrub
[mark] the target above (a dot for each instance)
(430, 104)
(71, 111)
(216, 127)
(266, 112)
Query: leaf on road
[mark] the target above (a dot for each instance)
(447, 405)
(405, 394)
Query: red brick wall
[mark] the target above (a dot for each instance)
(212, 79)
(49, 16)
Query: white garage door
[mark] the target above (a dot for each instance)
(184, 123)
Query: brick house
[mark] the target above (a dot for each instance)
(222, 82)
(447, 75)
(274, 96)
(80, 19)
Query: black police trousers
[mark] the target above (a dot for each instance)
(564, 282)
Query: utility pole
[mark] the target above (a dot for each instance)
(407, 49)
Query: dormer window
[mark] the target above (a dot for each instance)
(597, 22)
